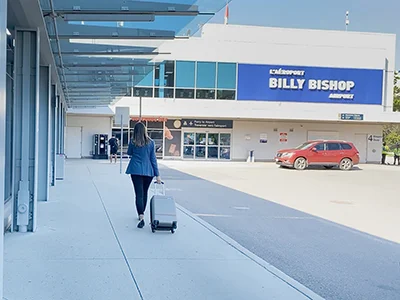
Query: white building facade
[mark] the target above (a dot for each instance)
(242, 88)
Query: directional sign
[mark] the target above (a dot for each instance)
(352, 117)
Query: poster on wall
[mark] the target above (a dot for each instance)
(172, 137)
(263, 138)
(283, 137)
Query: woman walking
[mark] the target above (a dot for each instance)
(142, 167)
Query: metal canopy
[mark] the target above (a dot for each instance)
(68, 48)
(107, 7)
(72, 31)
(93, 73)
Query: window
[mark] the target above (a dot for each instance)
(147, 79)
(304, 146)
(320, 147)
(155, 124)
(332, 146)
(185, 74)
(225, 139)
(226, 76)
(163, 93)
(128, 92)
(345, 146)
(206, 75)
(188, 142)
(169, 73)
(165, 74)
(205, 94)
(142, 92)
(226, 95)
(184, 93)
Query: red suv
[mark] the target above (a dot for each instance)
(325, 153)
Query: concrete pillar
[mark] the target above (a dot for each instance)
(63, 123)
(53, 134)
(26, 128)
(44, 137)
(3, 63)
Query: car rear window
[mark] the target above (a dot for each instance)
(332, 146)
(345, 146)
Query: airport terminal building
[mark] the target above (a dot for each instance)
(240, 88)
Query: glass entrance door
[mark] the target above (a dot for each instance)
(210, 146)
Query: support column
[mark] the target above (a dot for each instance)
(53, 133)
(26, 128)
(3, 63)
(44, 133)
(64, 121)
(60, 158)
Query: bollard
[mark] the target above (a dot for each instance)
(251, 156)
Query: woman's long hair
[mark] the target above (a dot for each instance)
(140, 136)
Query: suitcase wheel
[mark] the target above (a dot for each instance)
(153, 230)
(172, 230)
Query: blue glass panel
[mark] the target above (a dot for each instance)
(147, 80)
(226, 76)
(185, 74)
(206, 74)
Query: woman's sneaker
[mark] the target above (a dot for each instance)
(140, 224)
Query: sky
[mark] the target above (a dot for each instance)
(365, 15)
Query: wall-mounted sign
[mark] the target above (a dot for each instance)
(375, 138)
(353, 117)
(218, 124)
(122, 116)
(309, 84)
(283, 137)
(263, 138)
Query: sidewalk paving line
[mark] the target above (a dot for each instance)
(268, 267)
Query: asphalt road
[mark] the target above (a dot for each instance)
(334, 261)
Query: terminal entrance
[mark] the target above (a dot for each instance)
(206, 145)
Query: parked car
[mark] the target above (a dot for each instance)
(327, 153)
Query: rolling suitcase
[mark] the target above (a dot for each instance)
(162, 210)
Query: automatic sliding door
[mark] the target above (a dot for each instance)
(201, 142)
(212, 145)
(188, 145)
(225, 146)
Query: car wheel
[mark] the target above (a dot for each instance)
(346, 164)
(300, 163)
(328, 167)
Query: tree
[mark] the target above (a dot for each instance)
(391, 132)
(396, 92)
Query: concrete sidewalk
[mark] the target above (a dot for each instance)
(87, 246)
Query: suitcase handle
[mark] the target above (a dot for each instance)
(156, 189)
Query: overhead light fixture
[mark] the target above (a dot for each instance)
(8, 31)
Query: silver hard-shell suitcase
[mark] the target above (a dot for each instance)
(162, 210)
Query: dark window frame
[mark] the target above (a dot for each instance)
(333, 143)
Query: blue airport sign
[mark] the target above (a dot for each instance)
(309, 84)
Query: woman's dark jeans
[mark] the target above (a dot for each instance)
(141, 185)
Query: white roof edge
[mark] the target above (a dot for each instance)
(96, 111)
(299, 29)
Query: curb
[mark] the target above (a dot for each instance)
(271, 269)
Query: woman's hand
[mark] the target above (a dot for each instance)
(158, 179)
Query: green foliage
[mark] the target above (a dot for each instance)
(393, 138)
(391, 132)
(396, 94)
